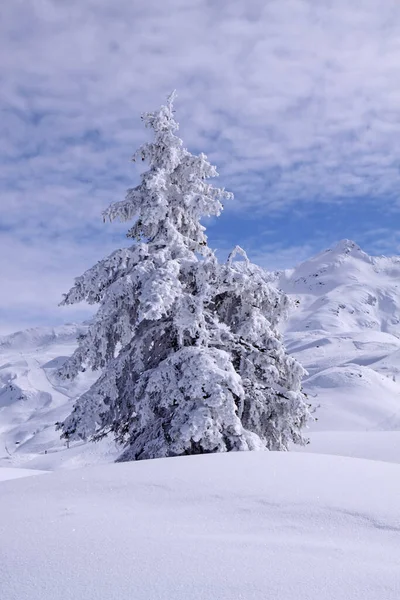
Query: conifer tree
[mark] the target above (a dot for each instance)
(188, 350)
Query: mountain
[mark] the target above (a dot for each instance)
(33, 399)
(344, 328)
(343, 289)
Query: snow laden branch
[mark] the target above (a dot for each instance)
(189, 353)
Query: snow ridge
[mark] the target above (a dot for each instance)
(346, 333)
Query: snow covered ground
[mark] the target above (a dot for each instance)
(373, 445)
(11, 473)
(218, 527)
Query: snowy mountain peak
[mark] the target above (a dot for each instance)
(345, 289)
(345, 250)
(332, 259)
(346, 247)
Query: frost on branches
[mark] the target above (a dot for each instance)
(189, 352)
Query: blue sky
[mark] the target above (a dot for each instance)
(297, 102)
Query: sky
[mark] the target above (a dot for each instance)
(297, 102)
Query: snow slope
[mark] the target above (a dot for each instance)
(343, 289)
(346, 332)
(6, 474)
(372, 445)
(32, 399)
(222, 527)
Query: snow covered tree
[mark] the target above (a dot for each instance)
(190, 356)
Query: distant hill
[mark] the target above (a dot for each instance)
(345, 330)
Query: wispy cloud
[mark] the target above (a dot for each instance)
(297, 101)
(382, 240)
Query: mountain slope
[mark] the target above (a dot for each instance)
(32, 399)
(345, 330)
(343, 289)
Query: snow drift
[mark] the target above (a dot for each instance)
(247, 525)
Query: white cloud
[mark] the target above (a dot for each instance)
(36, 273)
(293, 99)
(306, 93)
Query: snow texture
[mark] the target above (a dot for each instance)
(247, 525)
(346, 332)
(11, 473)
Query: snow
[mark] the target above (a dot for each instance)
(320, 523)
(343, 289)
(353, 365)
(372, 445)
(346, 333)
(32, 399)
(237, 525)
(11, 473)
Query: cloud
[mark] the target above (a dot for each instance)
(35, 273)
(298, 99)
(297, 102)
